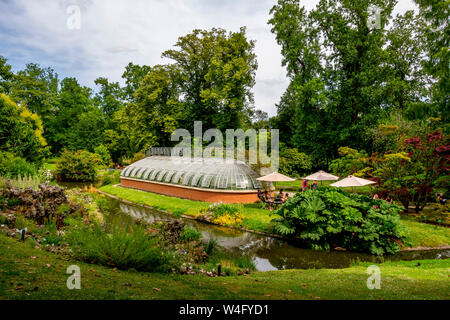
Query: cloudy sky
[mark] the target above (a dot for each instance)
(114, 32)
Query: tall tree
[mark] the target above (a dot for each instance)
(38, 88)
(344, 73)
(217, 72)
(73, 100)
(6, 76)
(133, 75)
(437, 33)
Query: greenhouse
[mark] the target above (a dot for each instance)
(210, 179)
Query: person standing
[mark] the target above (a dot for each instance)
(304, 185)
(314, 185)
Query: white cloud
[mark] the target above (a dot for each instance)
(115, 32)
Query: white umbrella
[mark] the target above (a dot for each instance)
(274, 177)
(321, 176)
(352, 181)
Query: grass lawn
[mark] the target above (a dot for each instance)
(297, 186)
(29, 273)
(420, 234)
(255, 218)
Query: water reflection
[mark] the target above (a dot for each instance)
(269, 253)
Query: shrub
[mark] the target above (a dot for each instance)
(138, 156)
(124, 247)
(223, 214)
(77, 166)
(329, 217)
(351, 161)
(103, 153)
(12, 166)
(190, 234)
(294, 163)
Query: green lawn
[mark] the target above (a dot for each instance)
(297, 186)
(255, 218)
(28, 273)
(420, 234)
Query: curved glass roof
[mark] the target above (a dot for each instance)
(207, 173)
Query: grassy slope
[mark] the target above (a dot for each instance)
(420, 234)
(23, 277)
(255, 217)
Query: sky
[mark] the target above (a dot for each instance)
(113, 33)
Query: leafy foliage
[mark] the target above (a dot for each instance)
(124, 247)
(294, 163)
(20, 131)
(329, 217)
(412, 173)
(77, 166)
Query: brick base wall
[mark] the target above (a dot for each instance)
(192, 194)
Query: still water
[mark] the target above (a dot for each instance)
(266, 252)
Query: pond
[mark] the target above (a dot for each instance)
(268, 253)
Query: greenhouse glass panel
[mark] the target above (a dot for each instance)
(154, 173)
(195, 180)
(206, 181)
(131, 174)
(138, 172)
(187, 177)
(223, 182)
(125, 171)
(147, 174)
(177, 176)
(161, 175)
(169, 176)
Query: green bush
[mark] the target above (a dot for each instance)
(12, 166)
(294, 163)
(103, 153)
(77, 166)
(330, 217)
(190, 234)
(124, 247)
(138, 156)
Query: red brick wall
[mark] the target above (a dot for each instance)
(192, 194)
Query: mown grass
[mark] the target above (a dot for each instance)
(255, 218)
(419, 234)
(297, 186)
(425, 235)
(28, 273)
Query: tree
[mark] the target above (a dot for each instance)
(73, 101)
(294, 163)
(110, 97)
(133, 76)
(437, 33)
(21, 131)
(412, 174)
(344, 75)
(216, 74)
(6, 76)
(87, 133)
(37, 88)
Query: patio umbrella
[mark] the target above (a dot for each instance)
(352, 181)
(321, 176)
(274, 177)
